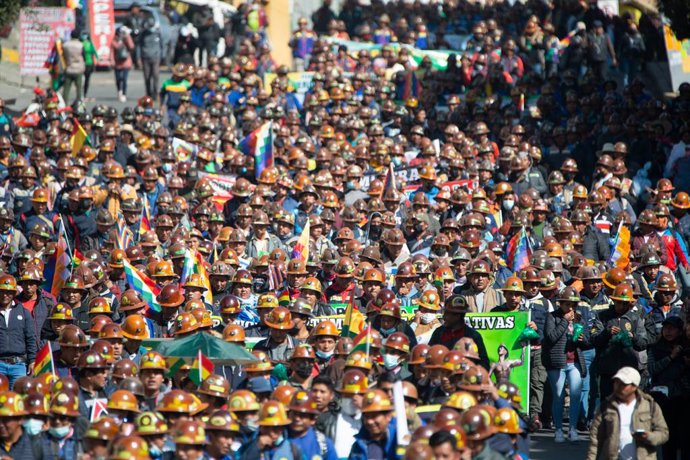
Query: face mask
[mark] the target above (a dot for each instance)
(324, 354)
(435, 382)
(59, 432)
(33, 426)
(427, 318)
(387, 332)
(167, 167)
(375, 232)
(397, 161)
(155, 451)
(390, 361)
(349, 408)
(279, 441)
(303, 370)
(252, 425)
(508, 204)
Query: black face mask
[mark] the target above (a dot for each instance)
(375, 232)
(303, 370)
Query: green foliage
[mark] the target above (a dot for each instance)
(9, 11)
(678, 11)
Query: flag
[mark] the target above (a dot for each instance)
(125, 238)
(174, 365)
(260, 144)
(145, 286)
(389, 184)
(362, 341)
(145, 225)
(521, 106)
(284, 298)
(187, 267)
(79, 137)
(354, 319)
(518, 251)
(276, 278)
(99, 409)
(184, 151)
(44, 361)
(301, 249)
(200, 269)
(201, 369)
(620, 249)
(58, 266)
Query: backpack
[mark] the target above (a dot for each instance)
(122, 53)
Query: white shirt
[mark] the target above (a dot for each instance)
(346, 428)
(6, 314)
(626, 449)
(479, 300)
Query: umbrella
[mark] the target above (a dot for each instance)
(215, 349)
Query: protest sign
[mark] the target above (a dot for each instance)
(38, 30)
(102, 28)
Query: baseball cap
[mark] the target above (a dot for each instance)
(676, 321)
(628, 376)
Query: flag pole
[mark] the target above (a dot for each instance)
(52, 362)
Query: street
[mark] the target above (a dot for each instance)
(102, 87)
(543, 447)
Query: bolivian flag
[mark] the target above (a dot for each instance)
(44, 361)
(201, 369)
(79, 138)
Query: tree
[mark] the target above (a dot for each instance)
(678, 11)
(9, 11)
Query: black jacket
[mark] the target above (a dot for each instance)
(556, 340)
(18, 335)
(595, 244)
(613, 356)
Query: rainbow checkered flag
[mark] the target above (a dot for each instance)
(145, 286)
(260, 144)
(201, 369)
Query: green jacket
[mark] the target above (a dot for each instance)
(90, 54)
(605, 431)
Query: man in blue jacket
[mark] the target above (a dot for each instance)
(377, 440)
(303, 412)
(17, 333)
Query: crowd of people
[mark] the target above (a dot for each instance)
(531, 172)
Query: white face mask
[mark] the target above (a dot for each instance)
(347, 406)
(33, 426)
(428, 317)
(508, 204)
(390, 361)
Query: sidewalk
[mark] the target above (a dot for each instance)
(9, 74)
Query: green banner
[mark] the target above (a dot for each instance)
(508, 357)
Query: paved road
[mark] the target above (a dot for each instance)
(102, 87)
(543, 447)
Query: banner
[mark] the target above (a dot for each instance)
(38, 30)
(102, 28)
(184, 151)
(222, 187)
(500, 332)
(678, 58)
(508, 357)
(299, 82)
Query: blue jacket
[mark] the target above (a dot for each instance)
(23, 449)
(315, 446)
(360, 450)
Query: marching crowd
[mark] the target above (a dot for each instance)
(518, 176)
